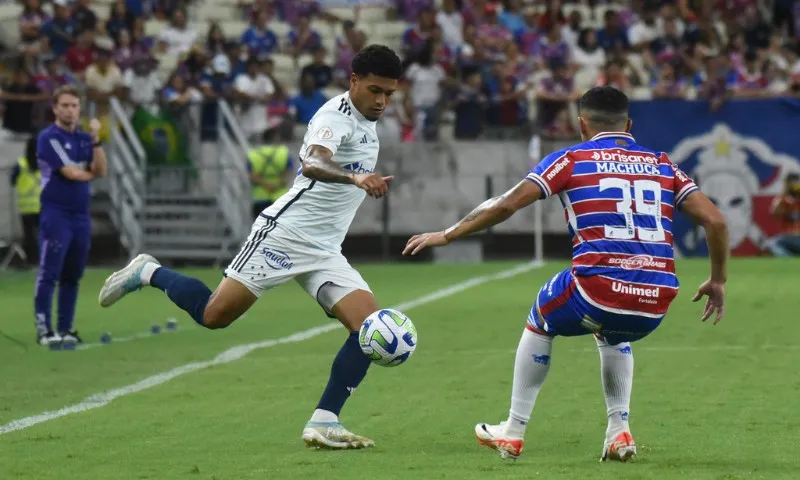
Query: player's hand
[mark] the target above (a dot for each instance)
(715, 291)
(417, 243)
(94, 128)
(375, 185)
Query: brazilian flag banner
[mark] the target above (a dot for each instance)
(161, 136)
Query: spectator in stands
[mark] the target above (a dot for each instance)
(706, 38)
(308, 100)
(215, 84)
(193, 68)
(60, 31)
(125, 51)
(668, 84)
(786, 17)
(777, 80)
(511, 18)
(83, 16)
(140, 38)
(292, 10)
(442, 52)
(20, 98)
(669, 13)
(53, 76)
(346, 48)
(259, 38)
(319, 71)
(178, 94)
(253, 89)
(644, 31)
(410, 10)
(506, 96)
(82, 54)
(572, 29)
(215, 40)
(553, 95)
(142, 82)
(495, 36)
(757, 31)
(750, 82)
(612, 33)
(177, 38)
(614, 76)
(302, 39)
(470, 105)
(414, 37)
(119, 19)
(30, 25)
(736, 50)
(517, 65)
(786, 209)
(426, 79)
(715, 87)
(278, 110)
(103, 81)
(528, 37)
(553, 15)
(451, 21)
(165, 8)
(553, 48)
(587, 55)
(668, 46)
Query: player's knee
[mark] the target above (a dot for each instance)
(215, 319)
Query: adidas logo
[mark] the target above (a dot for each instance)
(344, 107)
(364, 139)
(351, 390)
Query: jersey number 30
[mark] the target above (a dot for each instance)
(643, 207)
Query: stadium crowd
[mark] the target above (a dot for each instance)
(486, 67)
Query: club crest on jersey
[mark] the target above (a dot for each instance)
(324, 133)
(276, 259)
(637, 262)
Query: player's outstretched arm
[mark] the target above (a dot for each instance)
(703, 212)
(489, 213)
(319, 165)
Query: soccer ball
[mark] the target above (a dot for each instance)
(388, 337)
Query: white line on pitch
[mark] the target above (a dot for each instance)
(236, 353)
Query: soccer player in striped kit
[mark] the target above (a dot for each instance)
(69, 160)
(619, 198)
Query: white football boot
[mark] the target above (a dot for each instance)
(618, 446)
(333, 436)
(492, 436)
(125, 281)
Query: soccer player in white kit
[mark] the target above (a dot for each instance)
(299, 237)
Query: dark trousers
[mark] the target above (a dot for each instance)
(30, 237)
(64, 242)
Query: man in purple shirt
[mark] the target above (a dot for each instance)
(69, 159)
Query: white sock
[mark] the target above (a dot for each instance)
(616, 372)
(324, 416)
(147, 272)
(530, 370)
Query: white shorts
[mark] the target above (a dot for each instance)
(272, 255)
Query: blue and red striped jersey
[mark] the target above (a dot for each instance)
(619, 199)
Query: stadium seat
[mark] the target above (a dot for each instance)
(153, 27)
(235, 28)
(343, 13)
(218, 12)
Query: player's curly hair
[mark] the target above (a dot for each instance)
(378, 60)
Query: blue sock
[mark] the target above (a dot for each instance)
(190, 294)
(348, 370)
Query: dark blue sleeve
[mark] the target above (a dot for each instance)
(90, 149)
(14, 175)
(290, 163)
(51, 152)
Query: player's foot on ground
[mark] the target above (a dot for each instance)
(125, 281)
(48, 338)
(71, 337)
(333, 436)
(619, 446)
(492, 436)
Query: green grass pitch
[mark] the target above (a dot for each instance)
(709, 402)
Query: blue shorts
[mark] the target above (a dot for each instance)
(561, 310)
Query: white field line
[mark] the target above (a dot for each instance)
(238, 352)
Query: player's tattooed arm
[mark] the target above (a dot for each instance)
(319, 165)
(489, 213)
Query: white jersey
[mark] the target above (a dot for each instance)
(321, 213)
